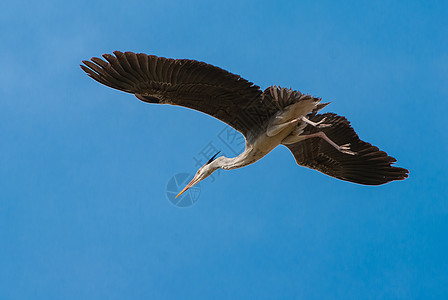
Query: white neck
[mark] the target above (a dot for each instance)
(246, 158)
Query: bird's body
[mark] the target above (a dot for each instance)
(325, 142)
(279, 128)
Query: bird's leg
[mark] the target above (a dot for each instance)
(292, 139)
(278, 124)
(343, 148)
(318, 124)
(274, 129)
(295, 135)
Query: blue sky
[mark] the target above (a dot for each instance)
(84, 169)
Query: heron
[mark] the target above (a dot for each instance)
(325, 142)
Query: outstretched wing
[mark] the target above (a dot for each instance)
(183, 82)
(370, 166)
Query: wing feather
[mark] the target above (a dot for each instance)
(183, 82)
(370, 166)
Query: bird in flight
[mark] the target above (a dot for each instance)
(276, 116)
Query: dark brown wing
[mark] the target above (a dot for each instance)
(183, 82)
(370, 166)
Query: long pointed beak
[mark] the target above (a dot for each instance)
(192, 182)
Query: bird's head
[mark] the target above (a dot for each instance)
(203, 172)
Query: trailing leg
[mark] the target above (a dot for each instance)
(292, 139)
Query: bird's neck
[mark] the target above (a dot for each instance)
(249, 156)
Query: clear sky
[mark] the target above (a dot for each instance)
(84, 169)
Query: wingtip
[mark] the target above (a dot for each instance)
(118, 53)
(84, 68)
(108, 56)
